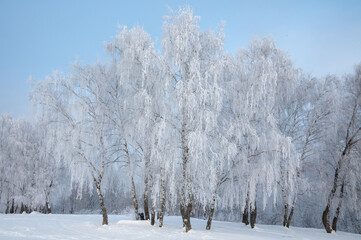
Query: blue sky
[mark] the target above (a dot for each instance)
(37, 37)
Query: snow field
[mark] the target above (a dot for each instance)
(81, 227)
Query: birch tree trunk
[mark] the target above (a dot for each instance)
(291, 211)
(1, 188)
(152, 208)
(146, 187)
(12, 208)
(162, 199)
(285, 205)
(186, 216)
(134, 195)
(245, 211)
(47, 208)
(22, 208)
(135, 202)
(210, 218)
(335, 218)
(253, 214)
(146, 208)
(101, 202)
(326, 212)
(186, 196)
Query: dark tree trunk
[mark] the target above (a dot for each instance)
(209, 222)
(27, 209)
(290, 216)
(245, 216)
(335, 218)
(47, 209)
(245, 211)
(253, 214)
(152, 216)
(186, 216)
(285, 215)
(7, 207)
(71, 211)
(22, 208)
(12, 208)
(325, 217)
(292, 211)
(326, 212)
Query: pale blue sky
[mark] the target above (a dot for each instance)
(37, 37)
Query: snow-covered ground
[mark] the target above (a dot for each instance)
(75, 227)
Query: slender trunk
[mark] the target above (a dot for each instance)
(47, 194)
(7, 206)
(186, 202)
(325, 221)
(162, 200)
(146, 180)
(209, 222)
(245, 215)
(245, 211)
(12, 209)
(146, 208)
(284, 198)
(22, 208)
(102, 204)
(135, 202)
(71, 211)
(292, 211)
(152, 208)
(152, 215)
(186, 192)
(27, 209)
(326, 212)
(47, 208)
(253, 214)
(1, 188)
(285, 214)
(335, 219)
(284, 195)
(186, 216)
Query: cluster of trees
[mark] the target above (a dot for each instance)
(190, 129)
(28, 166)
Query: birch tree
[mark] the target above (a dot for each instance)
(134, 68)
(77, 102)
(348, 136)
(194, 61)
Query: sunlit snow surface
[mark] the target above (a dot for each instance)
(75, 227)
